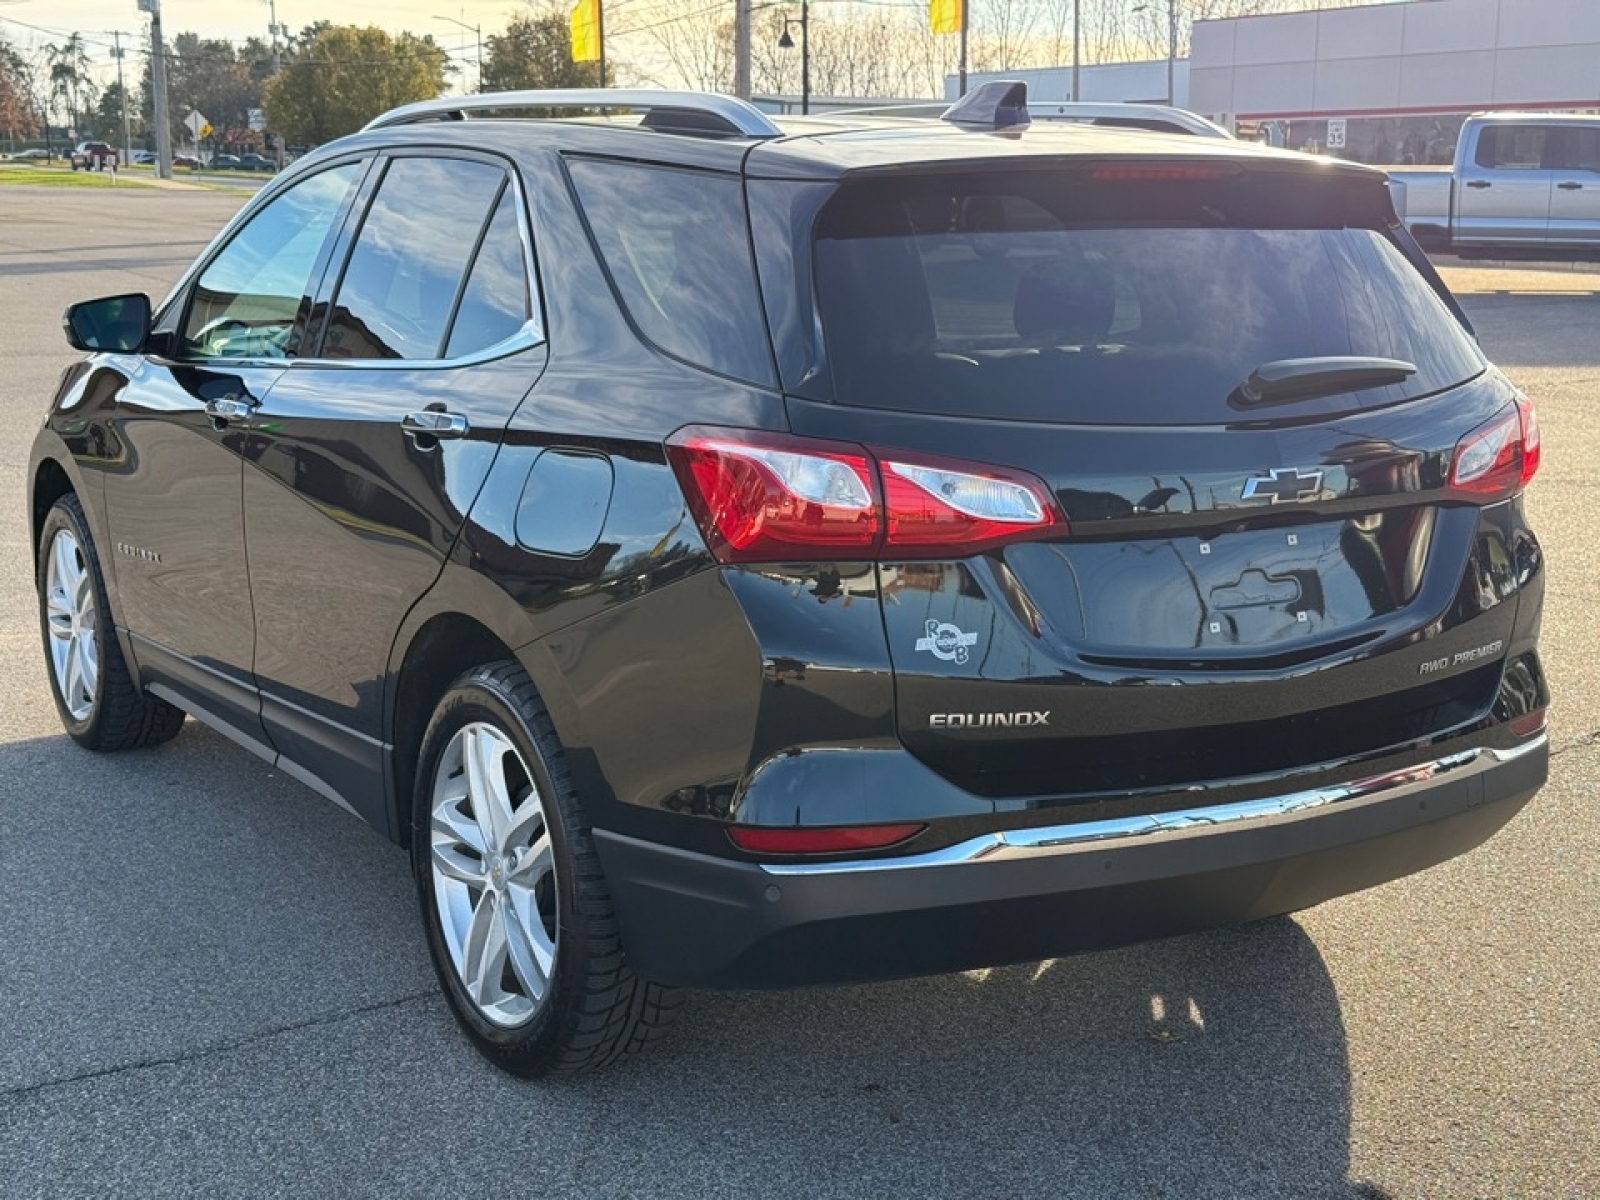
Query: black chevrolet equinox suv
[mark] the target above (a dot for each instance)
(731, 554)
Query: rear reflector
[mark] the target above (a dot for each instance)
(1498, 458)
(1529, 723)
(770, 497)
(839, 839)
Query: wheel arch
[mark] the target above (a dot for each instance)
(441, 648)
(50, 483)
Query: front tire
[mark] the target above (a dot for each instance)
(100, 705)
(514, 902)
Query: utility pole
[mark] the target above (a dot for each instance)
(274, 30)
(477, 32)
(1077, 46)
(962, 89)
(158, 86)
(741, 49)
(1172, 49)
(127, 126)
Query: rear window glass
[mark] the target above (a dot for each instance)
(1055, 299)
(677, 248)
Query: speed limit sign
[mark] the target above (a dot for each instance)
(1336, 134)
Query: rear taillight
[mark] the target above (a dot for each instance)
(1499, 457)
(770, 496)
(837, 839)
(767, 497)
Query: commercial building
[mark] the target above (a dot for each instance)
(1377, 82)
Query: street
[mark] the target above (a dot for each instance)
(213, 981)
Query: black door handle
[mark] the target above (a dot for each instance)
(1478, 183)
(1570, 187)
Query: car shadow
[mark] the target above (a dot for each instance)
(1209, 1065)
(217, 921)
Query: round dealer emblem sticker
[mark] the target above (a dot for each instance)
(946, 641)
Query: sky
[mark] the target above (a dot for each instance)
(21, 21)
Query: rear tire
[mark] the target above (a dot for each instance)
(100, 705)
(514, 902)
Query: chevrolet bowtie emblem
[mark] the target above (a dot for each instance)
(1282, 485)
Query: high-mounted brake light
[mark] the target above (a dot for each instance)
(1499, 457)
(1162, 171)
(837, 839)
(768, 497)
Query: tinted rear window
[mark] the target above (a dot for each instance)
(1059, 299)
(676, 246)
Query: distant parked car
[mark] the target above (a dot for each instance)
(93, 156)
(34, 155)
(144, 157)
(225, 162)
(187, 160)
(256, 162)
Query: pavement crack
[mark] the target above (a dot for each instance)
(1582, 741)
(273, 1031)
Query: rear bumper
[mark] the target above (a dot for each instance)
(1024, 895)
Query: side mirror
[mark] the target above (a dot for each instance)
(117, 323)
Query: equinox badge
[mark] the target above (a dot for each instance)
(1280, 484)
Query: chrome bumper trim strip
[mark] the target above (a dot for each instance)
(1048, 840)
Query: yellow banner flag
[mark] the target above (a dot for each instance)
(585, 27)
(947, 16)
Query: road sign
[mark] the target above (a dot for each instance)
(205, 130)
(258, 120)
(196, 121)
(1336, 134)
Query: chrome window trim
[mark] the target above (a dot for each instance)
(1050, 840)
(531, 335)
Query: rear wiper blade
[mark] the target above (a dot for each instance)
(1288, 379)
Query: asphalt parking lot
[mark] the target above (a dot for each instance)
(212, 981)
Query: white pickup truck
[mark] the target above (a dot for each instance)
(1523, 185)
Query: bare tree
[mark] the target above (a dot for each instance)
(72, 88)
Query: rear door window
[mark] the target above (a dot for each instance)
(1041, 301)
(410, 259)
(1512, 147)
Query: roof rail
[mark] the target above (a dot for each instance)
(705, 112)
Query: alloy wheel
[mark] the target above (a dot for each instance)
(71, 619)
(494, 874)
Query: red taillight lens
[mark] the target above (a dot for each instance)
(839, 839)
(1530, 438)
(1499, 457)
(767, 497)
(937, 507)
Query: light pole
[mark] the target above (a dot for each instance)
(1172, 43)
(787, 43)
(477, 32)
